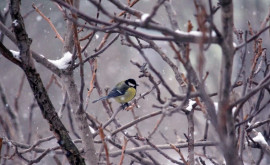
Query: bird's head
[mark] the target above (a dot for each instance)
(131, 83)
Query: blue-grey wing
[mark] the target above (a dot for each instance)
(118, 90)
(115, 92)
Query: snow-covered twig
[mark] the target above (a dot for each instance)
(63, 62)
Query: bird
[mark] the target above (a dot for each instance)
(123, 92)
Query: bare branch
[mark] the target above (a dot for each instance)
(163, 146)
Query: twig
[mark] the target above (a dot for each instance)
(1, 145)
(100, 51)
(123, 151)
(152, 67)
(17, 97)
(112, 117)
(253, 115)
(136, 121)
(257, 124)
(49, 21)
(163, 153)
(136, 125)
(102, 136)
(93, 64)
(156, 126)
(162, 146)
(180, 153)
(37, 143)
(119, 15)
(26, 146)
(7, 54)
(191, 136)
(145, 73)
(205, 134)
(70, 117)
(12, 114)
(252, 38)
(36, 160)
(138, 158)
(261, 85)
(266, 19)
(63, 105)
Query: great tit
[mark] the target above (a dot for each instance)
(123, 92)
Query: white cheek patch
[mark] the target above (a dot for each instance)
(131, 84)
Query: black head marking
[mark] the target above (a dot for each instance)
(131, 83)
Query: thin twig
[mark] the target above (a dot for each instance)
(37, 143)
(163, 153)
(123, 151)
(162, 146)
(180, 153)
(102, 136)
(49, 21)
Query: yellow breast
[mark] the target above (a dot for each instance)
(129, 95)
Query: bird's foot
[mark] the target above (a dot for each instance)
(124, 106)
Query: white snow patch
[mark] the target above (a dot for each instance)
(15, 54)
(190, 104)
(9, 144)
(144, 17)
(195, 33)
(92, 130)
(15, 22)
(63, 62)
(234, 44)
(233, 110)
(260, 139)
(97, 36)
(38, 18)
(216, 108)
(109, 137)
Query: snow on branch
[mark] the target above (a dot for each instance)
(63, 62)
(15, 54)
(144, 17)
(259, 138)
(190, 104)
(195, 33)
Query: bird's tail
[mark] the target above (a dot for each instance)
(102, 98)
